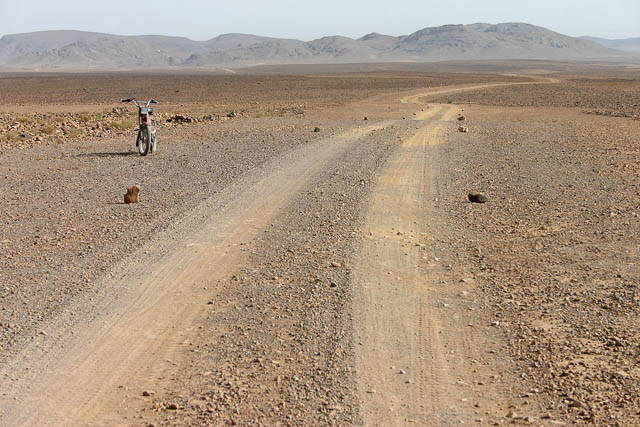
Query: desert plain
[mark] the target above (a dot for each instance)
(304, 252)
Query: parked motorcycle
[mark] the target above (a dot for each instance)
(147, 139)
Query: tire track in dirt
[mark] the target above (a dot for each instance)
(83, 380)
(416, 98)
(403, 372)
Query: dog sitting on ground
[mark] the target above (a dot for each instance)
(132, 194)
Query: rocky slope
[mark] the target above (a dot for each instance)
(75, 49)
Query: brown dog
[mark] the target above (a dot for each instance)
(132, 194)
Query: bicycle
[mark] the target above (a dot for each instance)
(146, 140)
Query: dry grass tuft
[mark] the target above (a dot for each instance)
(75, 132)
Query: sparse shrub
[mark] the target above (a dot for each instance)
(75, 132)
(85, 117)
(12, 136)
(58, 119)
(122, 125)
(24, 120)
(48, 129)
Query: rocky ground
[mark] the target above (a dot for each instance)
(555, 252)
(57, 109)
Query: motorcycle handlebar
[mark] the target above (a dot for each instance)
(138, 103)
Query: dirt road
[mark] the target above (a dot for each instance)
(412, 359)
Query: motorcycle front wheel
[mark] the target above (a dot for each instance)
(144, 141)
(154, 143)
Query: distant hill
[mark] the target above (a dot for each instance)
(82, 50)
(628, 45)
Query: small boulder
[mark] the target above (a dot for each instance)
(463, 129)
(132, 194)
(477, 198)
(317, 129)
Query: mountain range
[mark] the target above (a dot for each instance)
(48, 50)
(629, 45)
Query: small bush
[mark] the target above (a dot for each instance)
(48, 129)
(85, 117)
(24, 120)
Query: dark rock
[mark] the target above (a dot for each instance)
(477, 198)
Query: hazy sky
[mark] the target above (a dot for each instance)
(306, 20)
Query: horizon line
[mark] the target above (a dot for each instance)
(306, 41)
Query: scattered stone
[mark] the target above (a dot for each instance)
(463, 129)
(573, 403)
(180, 119)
